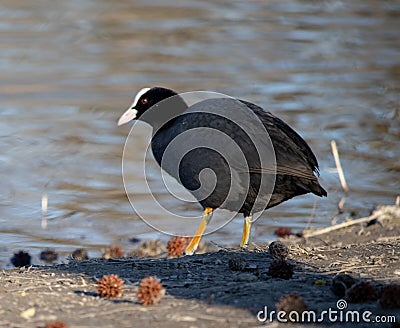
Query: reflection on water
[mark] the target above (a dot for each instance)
(329, 68)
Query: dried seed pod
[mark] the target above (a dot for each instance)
(390, 296)
(56, 324)
(283, 232)
(291, 303)
(341, 282)
(21, 259)
(280, 269)
(278, 250)
(80, 254)
(48, 255)
(177, 245)
(150, 291)
(362, 292)
(110, 286)
(150, 248)
(113, 252)
(237, 263)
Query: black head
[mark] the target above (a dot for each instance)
(145, 99)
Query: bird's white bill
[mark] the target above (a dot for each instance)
(128, 116)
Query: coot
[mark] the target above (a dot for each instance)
(270, 165)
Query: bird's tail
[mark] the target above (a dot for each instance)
(317, 189)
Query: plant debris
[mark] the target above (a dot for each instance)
(49, 255)
(237, 263)
(149, 248)
(293, 306)
(113, 252)
(21, 259)
(80, 254)
(362, 292)
(341, 282)
(56, 324)
(150, 291)
(283, 232)
(280, 269)
(390, 296)
(177, 245)
(278, 250)
(110, 286)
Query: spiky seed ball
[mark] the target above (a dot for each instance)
(289, 303)
(237, 263)
(56, 324)
(278, 250)
(283, 232)
(110, 286)
(341, 282)
(390, 296)
(21, 259)
(48, 255)
(80, 254)
(150, 291)
(280, 269)
(176, 246)
(362, 292)
(113, 252)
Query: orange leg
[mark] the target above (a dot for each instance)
(194, 243)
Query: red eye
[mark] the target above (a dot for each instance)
(143, 101)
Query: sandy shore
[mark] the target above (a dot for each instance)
(202, 290)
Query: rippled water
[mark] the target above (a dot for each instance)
(331, 69)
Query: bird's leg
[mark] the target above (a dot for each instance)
(246, 231)
(194, 243)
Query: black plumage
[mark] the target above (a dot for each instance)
(291, 167)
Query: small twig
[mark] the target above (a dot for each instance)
(387, 239)
(384, 212)
(387, 278)
(339, 166)
(352, 267)
(312, 215)
(341, 204)
(44, 211)
(342, 225)
(30, 278)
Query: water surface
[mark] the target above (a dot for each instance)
(68, 70)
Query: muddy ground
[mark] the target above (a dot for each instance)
(202, 290)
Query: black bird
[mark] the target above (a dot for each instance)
(277, 164)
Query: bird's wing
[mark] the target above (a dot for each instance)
(292, 154)
(284, 170)
(290, 148)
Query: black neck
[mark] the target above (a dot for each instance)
(163, 114)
